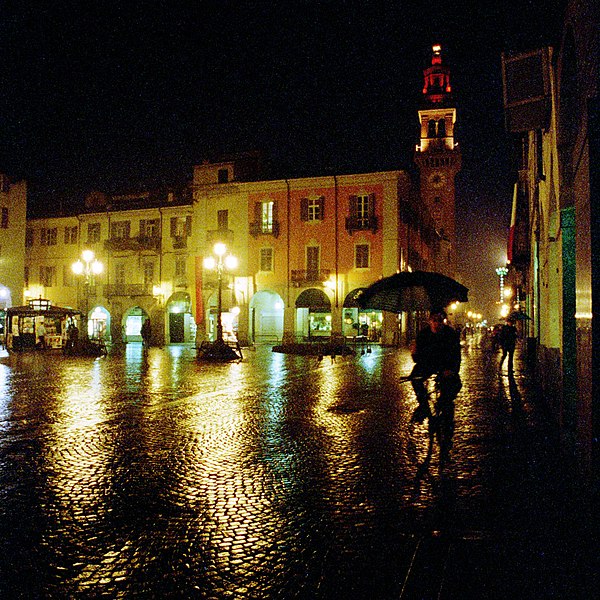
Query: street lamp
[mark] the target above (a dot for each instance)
(502, 272)
(89, 267)
(220, 262)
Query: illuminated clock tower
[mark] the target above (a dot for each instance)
(438, 158)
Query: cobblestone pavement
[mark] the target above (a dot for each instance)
(148, 474)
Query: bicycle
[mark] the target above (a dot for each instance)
(440, 420)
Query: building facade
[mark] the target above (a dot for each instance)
(141, 242)
(304, 247)
(13, 212)
(551, 100)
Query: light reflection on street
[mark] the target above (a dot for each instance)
(149, 466)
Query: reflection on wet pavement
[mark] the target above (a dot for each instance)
(148, 473)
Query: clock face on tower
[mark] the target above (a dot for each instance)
(437, 179)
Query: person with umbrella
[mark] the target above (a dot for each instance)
(508, 341)
(436, 350)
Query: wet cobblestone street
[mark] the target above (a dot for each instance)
(148, 474)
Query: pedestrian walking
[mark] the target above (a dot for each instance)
(41, 334)
(508, 341)
(72, 337)
(146, 332)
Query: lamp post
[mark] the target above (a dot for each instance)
(220, 262)
(502, 272)
(89, 267)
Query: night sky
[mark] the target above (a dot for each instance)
(123, 95)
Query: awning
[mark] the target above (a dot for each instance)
(351, 300)
(314, 299)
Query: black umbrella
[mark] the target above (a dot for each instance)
(412, 290)
(518, 315)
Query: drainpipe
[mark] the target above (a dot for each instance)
(288, 282)
(335, 190)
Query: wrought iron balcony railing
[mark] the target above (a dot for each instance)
(127, 289)
(310, 276)
(257, 228)
(361, 224)
(133, 243)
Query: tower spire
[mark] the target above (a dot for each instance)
(436, 79)
(438, 157)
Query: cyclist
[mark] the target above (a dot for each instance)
(436, 350)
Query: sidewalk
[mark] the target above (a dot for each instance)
(530, 533)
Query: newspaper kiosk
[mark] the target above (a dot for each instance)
(24, 323)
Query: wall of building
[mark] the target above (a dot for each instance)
(13, 202)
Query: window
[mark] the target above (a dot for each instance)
(69, 278)
(120, 230)
(223, 220)
(120, 274)
(266, 260)
(266, 217)
(361, 256)
(313, 262)
(362, 207)
(148, 273)
(149, 228)
(71, 234)
(181, 226)
(180, 268)
(362, 213)
(29, 237)
(93, 233)
(4, 218)
(223, 176)
(312, 209)
(26, 277)
(47, 276)
(48, 236)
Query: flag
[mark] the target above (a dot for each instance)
(511, 231)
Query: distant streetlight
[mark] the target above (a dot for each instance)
(89, 267)
(502, 272)
(221, 262)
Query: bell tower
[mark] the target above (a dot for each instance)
(438, 157)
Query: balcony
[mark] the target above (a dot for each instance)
(127, 289)
(302, 277)
(361, 224)
(179, 242)
(132, 243)
(257, 229)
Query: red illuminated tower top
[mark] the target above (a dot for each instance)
(436, 79)
(438, 157)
